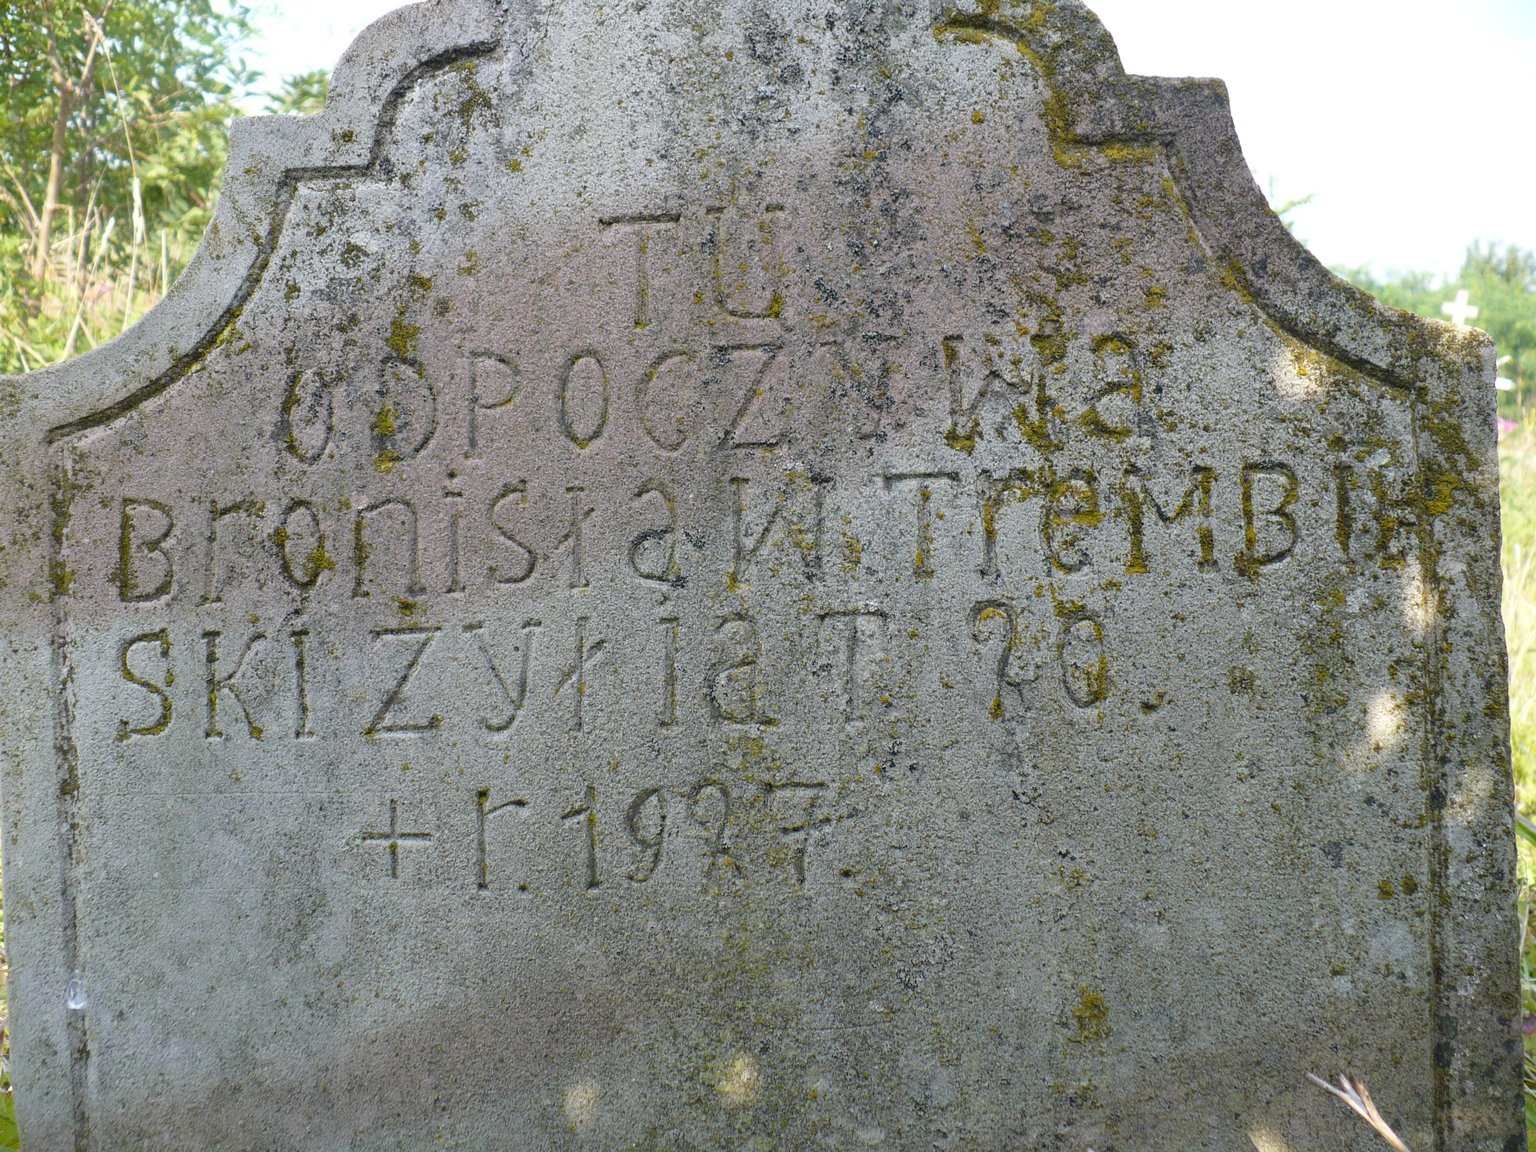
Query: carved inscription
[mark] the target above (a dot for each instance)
(708, 832)
(1082, 521)
(393, 837)
(503, 588)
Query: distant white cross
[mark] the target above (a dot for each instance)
(1459, 310)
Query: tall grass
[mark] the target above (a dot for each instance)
(103, 277)
(1517, 474)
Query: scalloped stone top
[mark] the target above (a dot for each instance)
(755, 576)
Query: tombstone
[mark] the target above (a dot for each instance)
(778, 578)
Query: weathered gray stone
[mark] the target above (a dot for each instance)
(767, 576)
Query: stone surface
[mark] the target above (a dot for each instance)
(778, 577)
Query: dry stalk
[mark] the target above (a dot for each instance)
(1354, 1094)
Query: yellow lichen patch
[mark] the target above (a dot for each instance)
(1234, 278)
(1122, 153)
(962, 33)
(853, 554)
(963, 441)
(402, 338)
(317, 561)
(977, 240)
(1090, 1017)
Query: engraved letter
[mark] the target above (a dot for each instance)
(218, 512)
(308, 542)
(160, 723)
(862, 646)
(642, 224)
(965, 415)
(362, 551)
(523, 568)
(217, 685)
(922, 555)
(1118, 368)
(517, 692)
(743, 548)
(733, 684)
(747, 269)
(586, 812)
(1391, 515)
(301, 729)
(997, 493)
(575, 537)
(1137, 497)
(583, 399)
(455, 501)
(648, 842)
(756, 424)
(653, 553)
(1252, 558)
(306, 422)
(995, 621)
(798, 832)
(666, 423)
(1084, 666)
(716, 849)
(131, 547)
(406, 421)
(383, 722)
(483, 369)
(576, 675)
(1344, 525)
(1072, 503)
(668, 712)
(484, 810)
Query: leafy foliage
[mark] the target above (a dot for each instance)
(112, 141)
(303, 94)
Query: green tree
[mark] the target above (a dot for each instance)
(303, 94)
(112, 117)
(1503, 286)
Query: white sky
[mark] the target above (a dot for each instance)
(1408, 121)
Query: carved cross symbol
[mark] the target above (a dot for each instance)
(393, 838)
(1460, 310)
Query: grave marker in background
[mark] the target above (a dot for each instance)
(1461, 309)
(783, 577)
